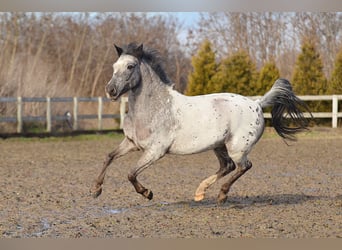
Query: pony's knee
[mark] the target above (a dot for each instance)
(246, 165)
(240, 159)
(249, 164)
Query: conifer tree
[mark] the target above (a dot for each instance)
(236, 74)
(308, 77)
(269, 73)
(204, 68)
(336, 76)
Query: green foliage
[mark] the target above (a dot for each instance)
(204, 68)
(308, 77)
(269, 73)
(336, 77)
(236, 74)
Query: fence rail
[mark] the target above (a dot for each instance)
(48, 118)
(75, 117)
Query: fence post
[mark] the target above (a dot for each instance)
(75, 123)
(19, 115)
(99, 113)
(48, 114)
(334, 111)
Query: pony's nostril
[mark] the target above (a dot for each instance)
(111, 90)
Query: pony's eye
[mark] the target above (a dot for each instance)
(131, 66)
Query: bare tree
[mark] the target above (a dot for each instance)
(258, 33)
(58, 54)
(271, 36)
(325, 28)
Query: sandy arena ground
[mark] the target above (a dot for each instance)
(290, 192)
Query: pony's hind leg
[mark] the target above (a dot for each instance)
(226, 166)
(242, 167)
(239, 147)
(125, 146)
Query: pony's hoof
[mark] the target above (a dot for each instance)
(148, 194)
(199, 197)
(96, 191)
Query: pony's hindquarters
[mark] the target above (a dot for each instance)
(247, 128)
(284, 101)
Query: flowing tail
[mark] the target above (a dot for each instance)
(285, 103)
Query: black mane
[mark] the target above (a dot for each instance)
(150, 56)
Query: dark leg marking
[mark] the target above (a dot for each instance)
(144, 162)
(226, 163)
(140, 188)
(222, 197)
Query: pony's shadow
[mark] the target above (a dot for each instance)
(233, 202)
(240, 202)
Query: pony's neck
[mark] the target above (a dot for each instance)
(151, 90)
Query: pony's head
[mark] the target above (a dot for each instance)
(126, 73)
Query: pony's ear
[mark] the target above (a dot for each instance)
(118, 50)
(138, 52)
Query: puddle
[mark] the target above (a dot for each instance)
(45, 226)
(164, 203)
(116, 211)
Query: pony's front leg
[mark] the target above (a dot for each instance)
(147, 159)
(125, 146)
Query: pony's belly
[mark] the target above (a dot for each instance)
(195, 144)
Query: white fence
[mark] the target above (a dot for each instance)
(72, 117)
(334, 114)
(75, 117)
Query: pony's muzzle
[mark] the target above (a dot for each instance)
(111, 91)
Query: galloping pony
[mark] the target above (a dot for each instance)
(162, 121)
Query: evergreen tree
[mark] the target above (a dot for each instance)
(336, 77)
(308, 77)
(204, 68)
(236, 74)
(268, 75)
